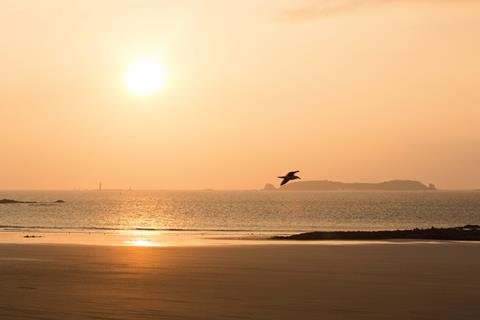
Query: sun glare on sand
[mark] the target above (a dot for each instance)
(142, 243)
(144, 77)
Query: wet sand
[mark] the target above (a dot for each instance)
(368, 281)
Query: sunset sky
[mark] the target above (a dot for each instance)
(340, 90)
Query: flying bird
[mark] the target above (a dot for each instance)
(290, 176)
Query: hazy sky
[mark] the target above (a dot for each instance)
(341, 90)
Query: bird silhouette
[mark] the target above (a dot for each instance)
(289, 176)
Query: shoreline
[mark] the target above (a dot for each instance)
(195, 239)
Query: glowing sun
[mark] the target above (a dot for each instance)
(144, 77)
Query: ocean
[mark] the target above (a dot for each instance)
(225, 211)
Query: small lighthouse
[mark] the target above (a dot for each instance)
(100, 186)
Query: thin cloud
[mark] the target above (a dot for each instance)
(324, 8)
(320, 9)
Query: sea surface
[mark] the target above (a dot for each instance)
(225, 211)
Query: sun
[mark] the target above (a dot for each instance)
(144, 77)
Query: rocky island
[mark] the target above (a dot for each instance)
(11, 201)
(326, 185)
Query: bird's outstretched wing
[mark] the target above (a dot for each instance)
(285, 180)
(292, 173)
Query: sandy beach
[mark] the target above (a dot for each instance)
(368, 281)
(229, 160)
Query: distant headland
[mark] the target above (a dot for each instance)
(326, 185)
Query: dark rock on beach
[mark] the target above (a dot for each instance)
(10, 201)
(466, 233)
